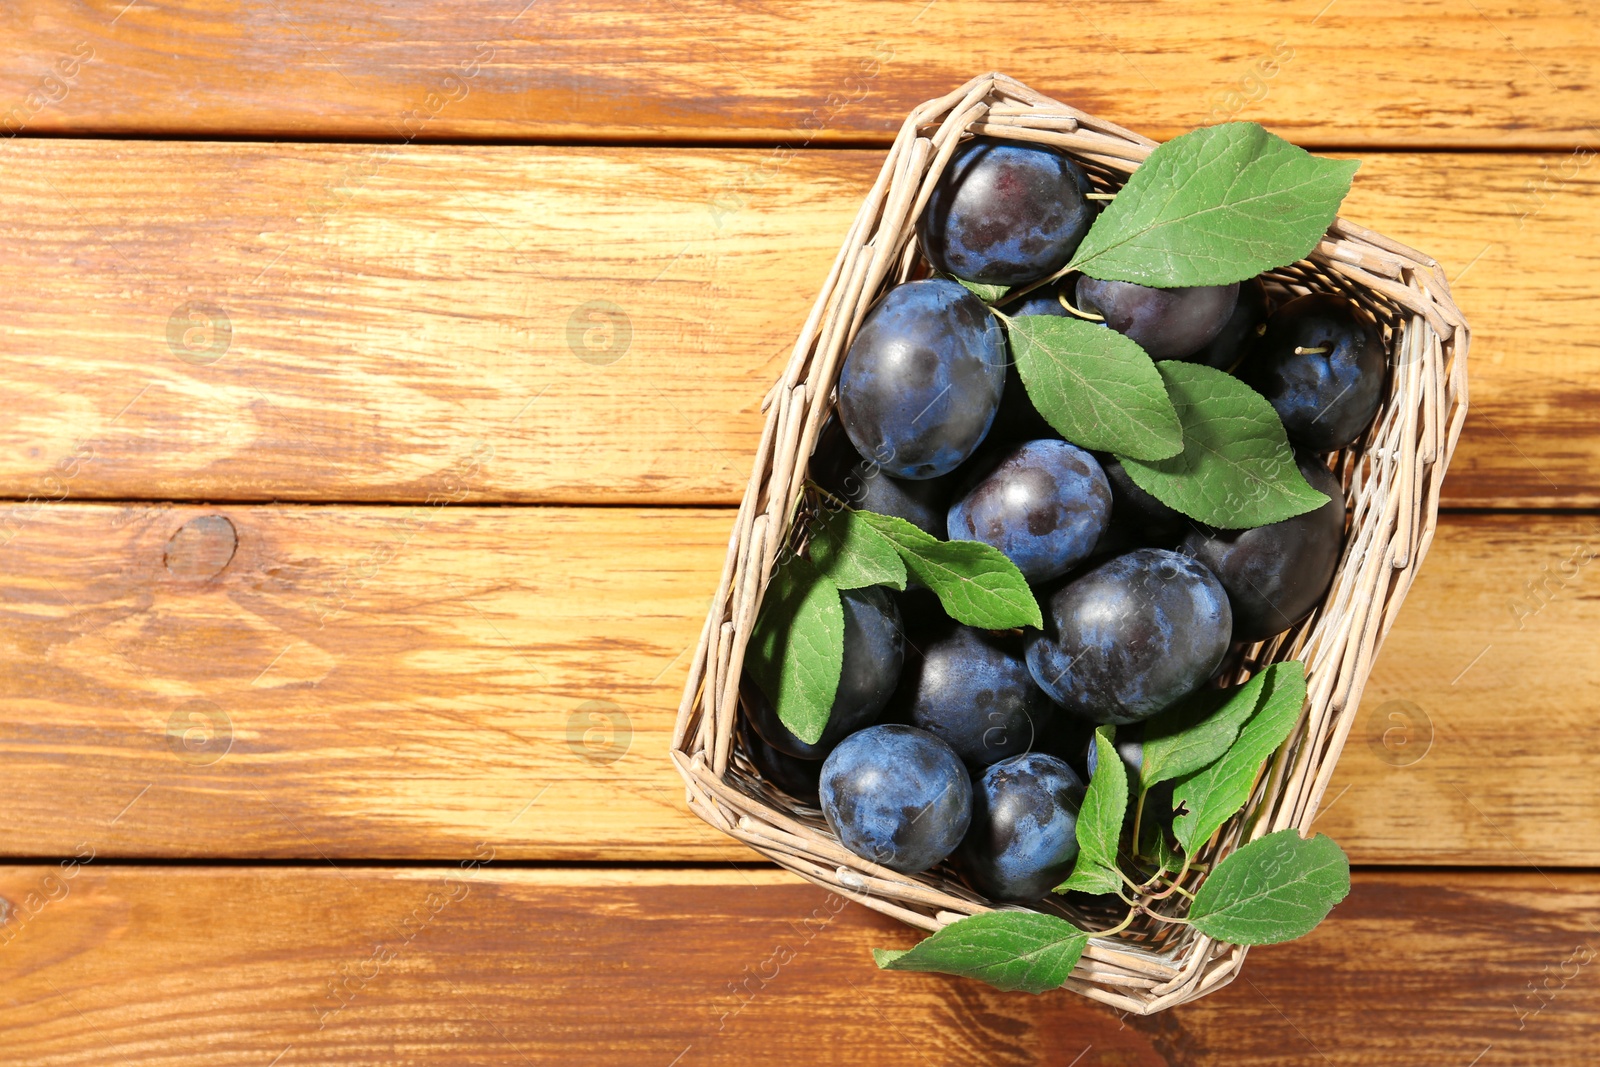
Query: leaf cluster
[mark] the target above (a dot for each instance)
(1211, 207)
(1212, 747)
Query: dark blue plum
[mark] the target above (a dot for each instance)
(1138, 520)
(874, 649)
(1320, 364)
(1005, 213)
(1229, 665)
(1064, 737)
(1023, 837)
(1131, 636)
(897, 796)
(1017, 421)
(874, 652)
(1244, 326)
(923, 379)
(921, 615)
(1044, 505)
(1276, 575)
(972, 689)
(1129, 744)
(1045, 300)
(764, 721)
(862, 484)
(797, 777)
(1166, 323)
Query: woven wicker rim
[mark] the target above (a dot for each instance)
(1392, 479)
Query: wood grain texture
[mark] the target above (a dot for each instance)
(379, 682)
(360, 327)
(1481, 715)
(594, 325)
(1362, 72)
(181, 967)
(402, 682)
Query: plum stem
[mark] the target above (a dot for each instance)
(1024, 290)
(1099, 196)
(1062, 297)
(1318, 351)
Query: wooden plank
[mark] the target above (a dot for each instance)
(1476, 725)
(580, 325)
(211, 966)
(402, 683)
(1363, 72)
(377, 682)
(311, 341)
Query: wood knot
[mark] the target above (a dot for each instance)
(201, 548)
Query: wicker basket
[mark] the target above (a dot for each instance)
(1391, 478)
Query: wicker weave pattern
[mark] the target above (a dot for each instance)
(1392, 481)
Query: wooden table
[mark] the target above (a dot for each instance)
(378, 380)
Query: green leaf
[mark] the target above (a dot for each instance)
(1100, 821)
(984, 291)
(1155, 848)
(1096, 387)
(1211, 795)
(1215, 206)
(848, 550)
(975, 582)
(1018, 951)
(1275, 889)
(1159, 848)
(1236, 469)
(797, 648)
(1192, 734)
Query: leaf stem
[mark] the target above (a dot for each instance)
(1099, 196)
(1173, 919)
(809, 484)
(1138, 816)
(1172, 883)
(1127, 921)
(1153, 879)
(1141, 907)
